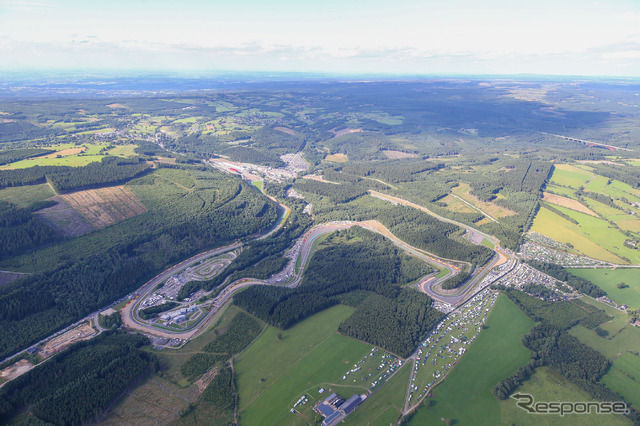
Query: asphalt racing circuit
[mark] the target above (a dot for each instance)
(291, 276)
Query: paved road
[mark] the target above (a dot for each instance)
(433, 286)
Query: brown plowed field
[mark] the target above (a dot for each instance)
(105, 206)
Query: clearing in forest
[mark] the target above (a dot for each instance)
(105, 206)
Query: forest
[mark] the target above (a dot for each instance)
(21, 230)
(242, 330)
(395, 324)
(579, 284)
(553, 346)
(354, 261)
(108, 264)
(111, 171)
(78, 384)
(11, 155)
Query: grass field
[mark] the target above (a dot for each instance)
(496, 354)
(624, 378)
(24, 196)
(568, 175)
(622, 336)
(386, 404)
(553, 226)
(608, 279)
(70, 155)
(273, 373)
(337, 158)
(547, 385)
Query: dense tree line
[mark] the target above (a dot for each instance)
(221, 391)
(393, 171)
(22, 130)
(100, 273)
(273, 139)
(396, 324)
(21, 230)
(580, 284)
(338, 194)
(242, 330)
(373, 264)
(110, 171)
(554, 347)
(12, 155)
(627, 174)
(539, 291)
(153, 311)
(79, 383)
(456, 281)
(258, 259)
(563, 314)
(199, 364)
(245, 154)
(522, 175)
(112, 321)
(601, 198)
(426, 232)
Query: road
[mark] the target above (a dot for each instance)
(294, 278)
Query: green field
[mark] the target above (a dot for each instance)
(568, 175)
(24, 196)
(608, 280)
(553, 226)
(488, 244)
(593, 236)
(546, 385)
(273, 373)
(622, 337)
(91, 154)
(496, 354)
(624, 378)
(386, 404)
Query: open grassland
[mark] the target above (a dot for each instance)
(386, 404)
(592, 236)
(548, 386)
(568, 175)
(622, 337)
(463, 190)
(608, 280)
(274, 372)
(553, 226)
(24, 196)
(337, 158)
(603, 234)
(73, 155)
(455, 205)
(496, 354)
(624, 378)
(567, 202)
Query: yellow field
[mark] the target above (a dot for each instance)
(456, 205)
(337, 158)
(560, 229)
(463, 191)
(567, 202)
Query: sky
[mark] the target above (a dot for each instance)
(473, 37)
